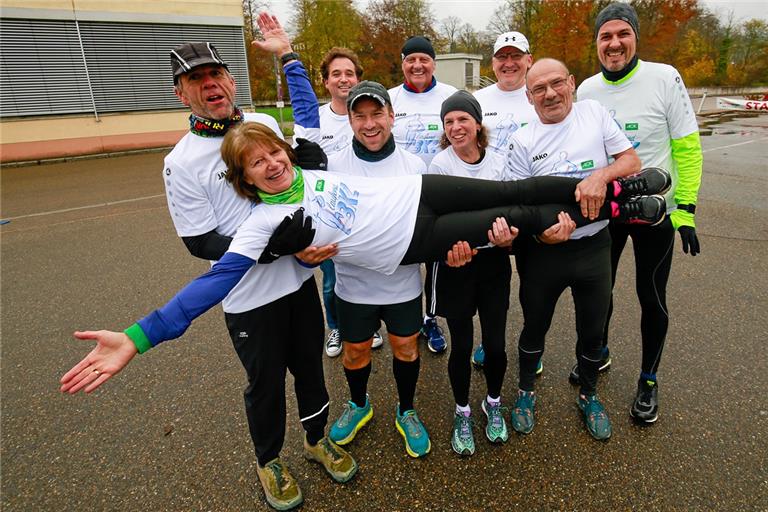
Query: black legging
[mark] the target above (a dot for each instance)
(453, 209)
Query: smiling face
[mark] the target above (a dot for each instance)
(510, 65)
(418, 69)
(550, 90)
(341, 78)
(209, 91)
(267, 167)
(461, 129)
(371, 123)
(616, 44)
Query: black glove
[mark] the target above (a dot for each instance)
(690, 240)
(294, 234)
(310, 155)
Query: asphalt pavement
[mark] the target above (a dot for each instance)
(90, 245)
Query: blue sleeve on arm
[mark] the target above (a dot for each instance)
(306, 111)
(196, 298)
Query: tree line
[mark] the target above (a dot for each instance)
(706, 49)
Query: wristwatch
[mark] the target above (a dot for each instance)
(286, 58)
(690, 208)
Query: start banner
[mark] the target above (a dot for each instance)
(733, 104)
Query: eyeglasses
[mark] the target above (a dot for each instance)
(557, 85)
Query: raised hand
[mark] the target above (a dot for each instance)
(276, 40)
(113, 352)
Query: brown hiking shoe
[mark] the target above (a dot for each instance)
(336, 461)
(280, 488)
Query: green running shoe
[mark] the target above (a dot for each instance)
(336, 461)
(522, 413)
(280, 488)
(462, 440)
(352, 419)
(595, 417)
(496, 428)
(416, 438)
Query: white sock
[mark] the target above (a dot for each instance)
(463, 409)
(493, 401)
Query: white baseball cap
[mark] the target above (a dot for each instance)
(515, 39)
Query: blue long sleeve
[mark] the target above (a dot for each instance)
(171, 320)
(306, 108)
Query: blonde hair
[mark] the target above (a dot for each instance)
(238, 140)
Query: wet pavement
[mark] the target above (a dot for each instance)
(90, 245)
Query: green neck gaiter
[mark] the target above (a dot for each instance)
(292, 195)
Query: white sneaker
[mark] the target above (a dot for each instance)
(377, 340)
(333, 343)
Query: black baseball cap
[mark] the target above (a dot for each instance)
(187, 56)
(369, 89)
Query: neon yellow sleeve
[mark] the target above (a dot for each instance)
(687, 154)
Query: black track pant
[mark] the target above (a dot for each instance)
(453, 208)
(582, 265)
(286, 334)
(653, 247)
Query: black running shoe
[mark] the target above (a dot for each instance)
(645, 409)
(605, 364)
(649, 181)
(647, 210)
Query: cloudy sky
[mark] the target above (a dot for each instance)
(478, 12)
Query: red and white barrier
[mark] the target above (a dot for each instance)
(733, 104)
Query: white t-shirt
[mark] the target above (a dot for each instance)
(448, 163)
(652, 107)
(503, 113)
(574, 148)
(417, 119)
(361, 285)
(372, 219)
(200, 199)
(335, 131)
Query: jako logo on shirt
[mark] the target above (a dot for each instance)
(221, 174)
(589, 164)
(542, 156)
(401, 114)
(631, 126)
(320, 185)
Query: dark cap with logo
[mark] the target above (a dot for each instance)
(618, 11)
(368, 89)
(188, 56)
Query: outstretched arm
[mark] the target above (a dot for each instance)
(113, 352)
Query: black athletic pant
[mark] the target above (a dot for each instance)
(545, 272)
(481, 286)
(284, 334)
(453, 209)
(653, 247)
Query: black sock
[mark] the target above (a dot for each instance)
(406, 374)
(357, 380)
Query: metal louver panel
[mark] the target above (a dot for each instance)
(43, 72)
(41, 69)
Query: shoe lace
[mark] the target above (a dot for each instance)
(496, 414)
(330, 448)
(464, 426)
(277, 469)
(412, 424)
(524, 401)
(346, 414)
(595, 409)
(635, 185)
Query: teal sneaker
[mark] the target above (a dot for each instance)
(478, 357)
(462, 440)
(415, 435)
(595, 417)
(522, 413)
(352, 419)
(496, 428)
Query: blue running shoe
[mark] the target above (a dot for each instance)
(434, 336)
(595, 417)
(462, 439)
(478, 357)
(496, 428)
(416, 438)
(352, 419)
(522, 413)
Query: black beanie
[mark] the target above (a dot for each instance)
(463, 101)
(618, 11)
(417, 44)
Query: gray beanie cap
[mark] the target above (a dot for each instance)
(618, 11)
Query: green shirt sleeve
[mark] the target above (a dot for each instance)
(136, 333)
